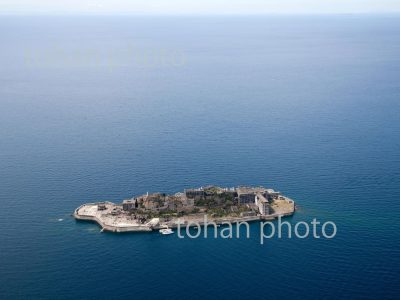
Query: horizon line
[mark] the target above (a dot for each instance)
(183, 14)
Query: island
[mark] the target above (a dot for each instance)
(159, 210)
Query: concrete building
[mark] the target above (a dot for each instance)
(248, 194)
(245, 195)
(189, 202)
(174, 204)
(154, 201)
(129, 204)
(195, 193)
(262, 204)
(101, 206)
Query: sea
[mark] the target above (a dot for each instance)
(99, 108)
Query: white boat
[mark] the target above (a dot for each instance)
(166, 231)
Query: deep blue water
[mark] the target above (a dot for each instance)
(306, 105)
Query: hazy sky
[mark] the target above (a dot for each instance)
(198, 6)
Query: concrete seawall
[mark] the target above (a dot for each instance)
(148, 228)
(111, 228)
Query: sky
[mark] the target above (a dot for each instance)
(197, 6)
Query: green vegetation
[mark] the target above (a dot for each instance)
(210, 202)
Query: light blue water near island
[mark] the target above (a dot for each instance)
(306, 105)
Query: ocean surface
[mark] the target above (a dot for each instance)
(105, 108)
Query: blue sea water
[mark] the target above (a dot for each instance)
(104, 108)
